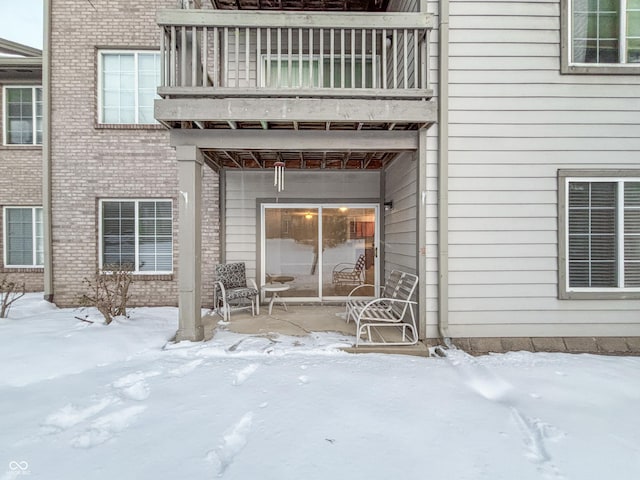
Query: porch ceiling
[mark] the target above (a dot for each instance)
(367, 149)
(327, 160)
(339, 158)
(295, 125)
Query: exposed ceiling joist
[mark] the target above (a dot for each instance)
(256, 158)
(232, 158)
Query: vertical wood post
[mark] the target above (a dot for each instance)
(190, 162)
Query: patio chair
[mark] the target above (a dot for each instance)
(231, 288)
(349, 273)
(387, 310)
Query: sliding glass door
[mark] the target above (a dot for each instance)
(290, 253)
(320, 251)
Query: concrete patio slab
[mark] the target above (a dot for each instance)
(302, 320)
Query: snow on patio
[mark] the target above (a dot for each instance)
(83, 400)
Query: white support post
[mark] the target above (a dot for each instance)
(421, 254)
(190, 162)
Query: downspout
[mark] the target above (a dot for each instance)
(443, 172)
(46, 151)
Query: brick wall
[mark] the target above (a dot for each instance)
(90, 162)
(20, 185)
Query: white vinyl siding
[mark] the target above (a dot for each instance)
(514, 121)
(23, 237)
(127, 86)
(22, 115)
(400, 221)
(136, 235)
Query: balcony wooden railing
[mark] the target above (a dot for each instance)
(214, 52)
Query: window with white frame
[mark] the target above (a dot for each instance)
(306, 74)
(23, 237)
(136, 235)
(604, 32)
(601, 234)
(22, 115)
(127, 86)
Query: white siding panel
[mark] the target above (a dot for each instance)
(490, 212)
(471, 225)
(507, 22)
(509, 34)
(505, 277)
(589, 105)
(504, 63)
(515, 170)
(500, 291)
(500, 9)
(544, 90)
(503, 238)
(503, 49)
(529, 77)
(602, 144)
(542, 304)
(400, 223)
(522, 250)
(515, 197)
(501, 184)
(514, 121)
(623, 159)
(540, 131)
(484, 265)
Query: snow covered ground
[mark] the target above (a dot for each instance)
(88, 401)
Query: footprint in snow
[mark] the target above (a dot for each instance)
(71, 415)
(233, 441)
(185, 369)
(536, 433)
(133, 386)
(245, 373)
(106, 427)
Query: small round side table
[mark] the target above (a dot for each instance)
(275, 291)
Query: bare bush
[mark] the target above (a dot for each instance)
(108, 291)
(9, 293)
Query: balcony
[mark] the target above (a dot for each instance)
(294, 70)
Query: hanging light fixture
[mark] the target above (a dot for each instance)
(278, 176)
